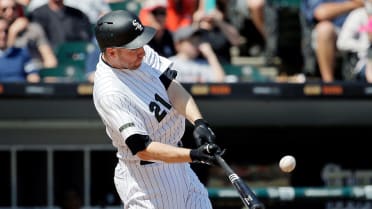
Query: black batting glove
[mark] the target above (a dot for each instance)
(203, 133)
(205, 154)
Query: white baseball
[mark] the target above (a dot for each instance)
(287, 163)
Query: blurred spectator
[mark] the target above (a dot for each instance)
(248, 17)
(253, 9)
(62, 23)
(23, 2)
(355, 37)
(31, 5)
(153, 13)
(256, 12)
(368, 72)
(271, 29)
(216, 30)
(15, 63)
(91, 62)
(180, 13)
(190, 67)
(326, 17)
(23, 33)
(92, 8)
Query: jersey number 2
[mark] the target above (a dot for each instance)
(155, 107)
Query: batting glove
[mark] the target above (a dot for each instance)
(206, 154)
(203, 133)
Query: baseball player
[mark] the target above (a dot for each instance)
(144, 110)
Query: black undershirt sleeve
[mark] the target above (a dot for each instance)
(167, 76)
(138, 142)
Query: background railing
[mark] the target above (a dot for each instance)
(298, 193)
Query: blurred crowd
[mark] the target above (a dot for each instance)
(197, 35)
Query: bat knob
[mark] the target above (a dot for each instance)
(212, 148)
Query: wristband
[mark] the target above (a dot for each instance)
(200, 121)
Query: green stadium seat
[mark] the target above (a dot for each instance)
(74, 52)
(232, 69)
(71, 58)
(129, 5)
(245, 73)
(64, 73)
(286, 3)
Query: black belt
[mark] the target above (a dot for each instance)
(144, 162)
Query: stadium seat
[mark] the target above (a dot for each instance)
(64, 73)
(245, 73)
(232, 69)
(286, 3)
(71, 62)
(129, 5)
(74, 52)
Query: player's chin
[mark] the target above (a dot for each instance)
(135, 66)
(138, 63)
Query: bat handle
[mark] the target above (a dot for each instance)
(224, 165)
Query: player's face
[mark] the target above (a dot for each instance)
(122, 58)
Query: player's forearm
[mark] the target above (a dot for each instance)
(164, 152)
(183, 102)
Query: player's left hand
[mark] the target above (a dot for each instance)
(203, 133)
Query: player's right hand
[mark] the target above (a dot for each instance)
(206, 154)
(203, 133)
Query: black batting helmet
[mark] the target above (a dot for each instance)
(123, 29)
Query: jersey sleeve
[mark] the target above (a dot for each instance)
(161, 66)
(117, 113)
(155, 61)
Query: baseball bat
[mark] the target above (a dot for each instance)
(249, 198)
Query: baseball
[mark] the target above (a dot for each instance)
(287, 163)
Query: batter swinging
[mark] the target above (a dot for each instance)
(144, 109)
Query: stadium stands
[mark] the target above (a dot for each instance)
(130, 5)
(71, 62)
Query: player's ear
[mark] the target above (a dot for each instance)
(111, 52)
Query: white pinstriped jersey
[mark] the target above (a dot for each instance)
(136, 102)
